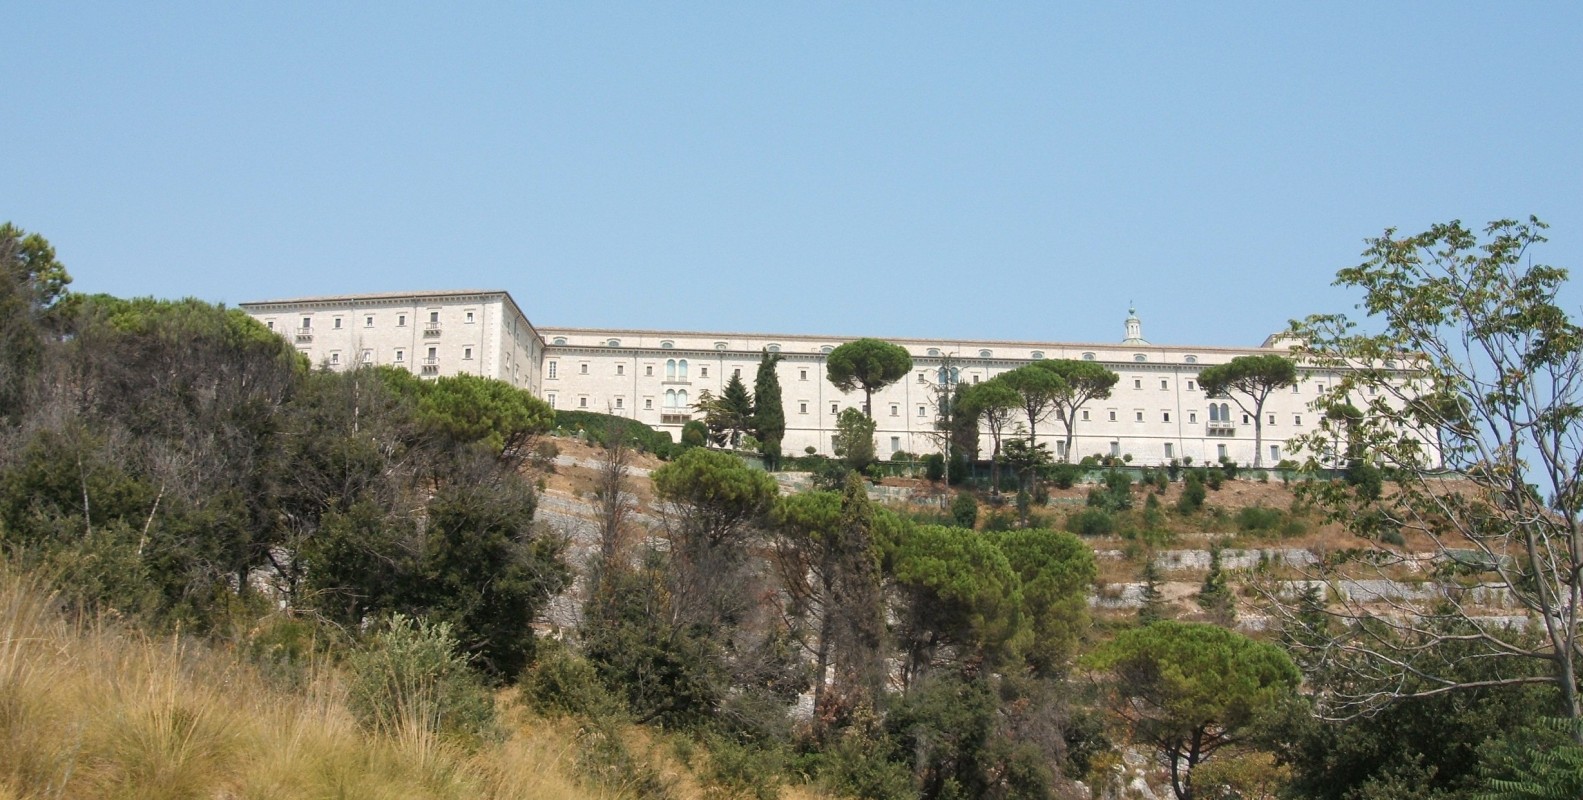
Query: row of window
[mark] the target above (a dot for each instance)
(468, 317)
(398, 356)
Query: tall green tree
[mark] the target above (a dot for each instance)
(1473, 363)
(769, 415)
(1081, 381)
(994, 402)
(492, 413)
(961, 598)
(1055, 571)
(1191, 690)
(32, 284)
(1037, 389)
(854, 438)
(1248, 381)
(869, 365)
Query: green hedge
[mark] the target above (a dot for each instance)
(600, 428)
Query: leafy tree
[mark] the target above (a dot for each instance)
(994, 402)
(1248, 381)
(769, 414)
(961, 596)
(494, 414)
(1081, 381)
(1037, 389)
(867, 364)
(854, 438)
(32, 284)
(695, 434)
(1475, 366)
(1190, 690)
(711, 498)
(728, 415)
(1027, 460)
(1055, 572)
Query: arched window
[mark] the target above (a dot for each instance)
(1214, 413)
(934, 351)
(1139, 357)
(670, 398)
(559, 340)
(720, 345)
(681, 375)
(1037, 355)
(613, 343)
(667, 344)
(681, 398)
(1191, 359)
(984, 354)
(670, 372)
(826, 349)
(774, 348)
(948, 376)
(1088, 356)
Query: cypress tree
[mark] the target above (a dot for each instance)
(769, 416)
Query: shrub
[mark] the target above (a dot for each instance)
(408, 675)
(1091, 522)
(934, 466)
(1000, 521)
(561, 682)
(1193, 494)
(1258, 518)
(1230, 468)
(964, 511)
(1212, 478)
(1116, 493)
(1173, 470)
(1065, 476)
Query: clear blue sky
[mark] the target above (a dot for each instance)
(893, 169)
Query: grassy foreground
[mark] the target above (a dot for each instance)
(95, 710)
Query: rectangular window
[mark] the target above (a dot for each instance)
(1294, 388)
(1170, 450)
(1165, 385)
(335, 358)
(271, 324)
(1137, 416)
(401, 355)
(648, 404)
(551, 367)
(368, 322)
(1165, 416)
(736, 372)
(834, 409)
(433, 354)
(621, 369)
(703, 372)
(1220, 450)
(1246, 420)
(551, 399)
(1137, 383)
(1272, 419)
(1192, 386)
(1112, 415)
(923, 411)
(1085, 415)
(582, 402)
(434, 317)
(1297, 419)
(469, 318)
(1115, 449)
(1321, 388)
(802, 408)
(802, 374)
(895, 410)
(895, 444)
(401, 320)
(1060, 450)
(1192, 417)
(648, 370)
(467, 353)
(621, 402)
(582, 369)
(307, 322)
(1275, 452)
(337, 323)
(368, 356)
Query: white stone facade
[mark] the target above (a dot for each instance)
(1155, 413)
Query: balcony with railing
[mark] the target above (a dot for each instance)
(304, 334)
(430, 366)
(431, 329)
(1221, 428)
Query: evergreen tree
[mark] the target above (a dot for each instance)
(1153, 607)
(769, 415)
(1215, 595)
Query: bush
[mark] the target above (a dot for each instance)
(561, 682)
(1230, 468)
(601, 429)
(964, 511)
(1258, 518)
(1065, 476)
(1116, 493)
(409, 675)
(934, 466)
(1193, 494)
(1174, 470)
(1212, 478)
(1091, 522)
(1000, 521)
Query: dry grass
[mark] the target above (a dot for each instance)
(98, 711)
